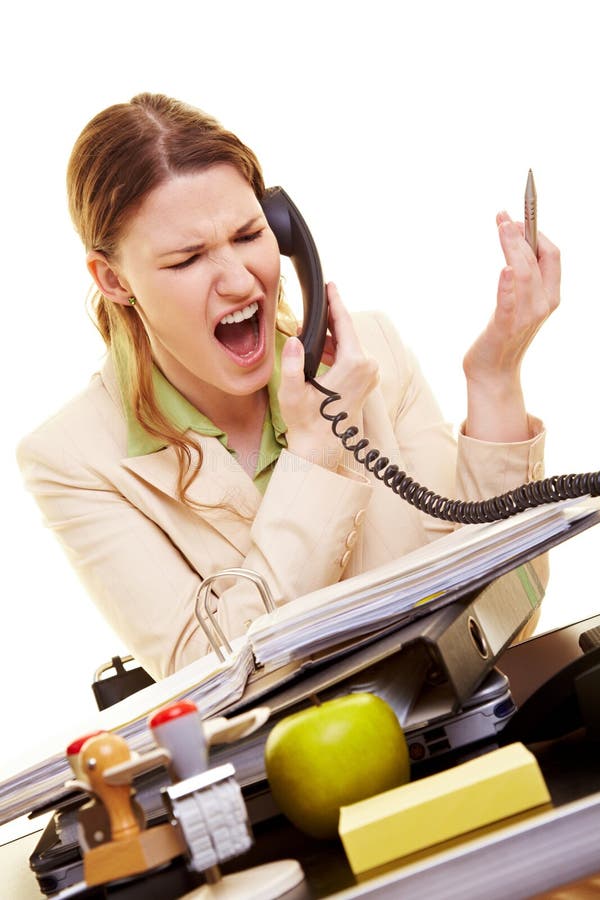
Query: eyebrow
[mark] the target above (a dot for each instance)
(197, 248)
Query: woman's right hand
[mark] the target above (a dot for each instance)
(352, 375)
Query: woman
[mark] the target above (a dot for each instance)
(199, 446)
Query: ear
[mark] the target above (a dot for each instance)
(108, 280)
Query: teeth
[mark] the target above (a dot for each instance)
(240, 314)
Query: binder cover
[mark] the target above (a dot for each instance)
(457, 645)
(462, 641)
(414, 586)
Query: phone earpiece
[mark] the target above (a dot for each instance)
(276, 206)
(296, 241)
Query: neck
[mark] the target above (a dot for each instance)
(226, 411)
(241, 413)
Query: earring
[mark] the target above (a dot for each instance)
(132, 301)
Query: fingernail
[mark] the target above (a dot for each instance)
(291, 356)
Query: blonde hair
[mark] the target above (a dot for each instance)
(121, 155)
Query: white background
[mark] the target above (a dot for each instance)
(400, 129)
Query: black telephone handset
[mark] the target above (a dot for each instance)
(295, 241)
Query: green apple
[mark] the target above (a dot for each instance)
(333, 754)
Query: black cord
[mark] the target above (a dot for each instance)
(528, 496)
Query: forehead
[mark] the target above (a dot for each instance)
(196, 205)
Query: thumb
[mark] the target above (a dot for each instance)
(292, 358)
(292, 370)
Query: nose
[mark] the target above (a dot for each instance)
(233, 278)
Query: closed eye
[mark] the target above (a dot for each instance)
(248, 238)
(241, 239)
(185, 263)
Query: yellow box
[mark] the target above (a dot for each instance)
(423, 813)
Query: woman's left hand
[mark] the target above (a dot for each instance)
(528, 292)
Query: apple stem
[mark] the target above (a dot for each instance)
(315, 700)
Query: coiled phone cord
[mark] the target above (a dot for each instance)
(528, 496)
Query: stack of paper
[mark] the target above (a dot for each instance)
(417, 583)
(209, 683)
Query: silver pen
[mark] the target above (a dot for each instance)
(531, 213)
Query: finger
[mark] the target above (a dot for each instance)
(292, 385)
(328, 355)
(507, 297)
(517, 251)
(550, 267)
(340, 320)
(502, 217)
(505, 217)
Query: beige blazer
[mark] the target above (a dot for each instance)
(142, 554)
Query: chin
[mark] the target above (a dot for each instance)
(251, 382)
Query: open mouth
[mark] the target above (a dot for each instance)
(240, 333)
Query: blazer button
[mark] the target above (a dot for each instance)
(344, 559)
(351, 539)
(359, 517)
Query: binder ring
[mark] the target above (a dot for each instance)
(216, 637)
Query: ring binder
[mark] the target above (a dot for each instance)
(202, 603)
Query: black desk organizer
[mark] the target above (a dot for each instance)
(569, 700)
(113, 688)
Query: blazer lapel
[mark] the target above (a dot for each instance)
(220, 485)
(221, 489)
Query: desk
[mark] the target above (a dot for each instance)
(523, 860)
(554, 848)
(16, 877)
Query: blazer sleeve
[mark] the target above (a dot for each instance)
(298, 537)
(139, 580)
(462, 468)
